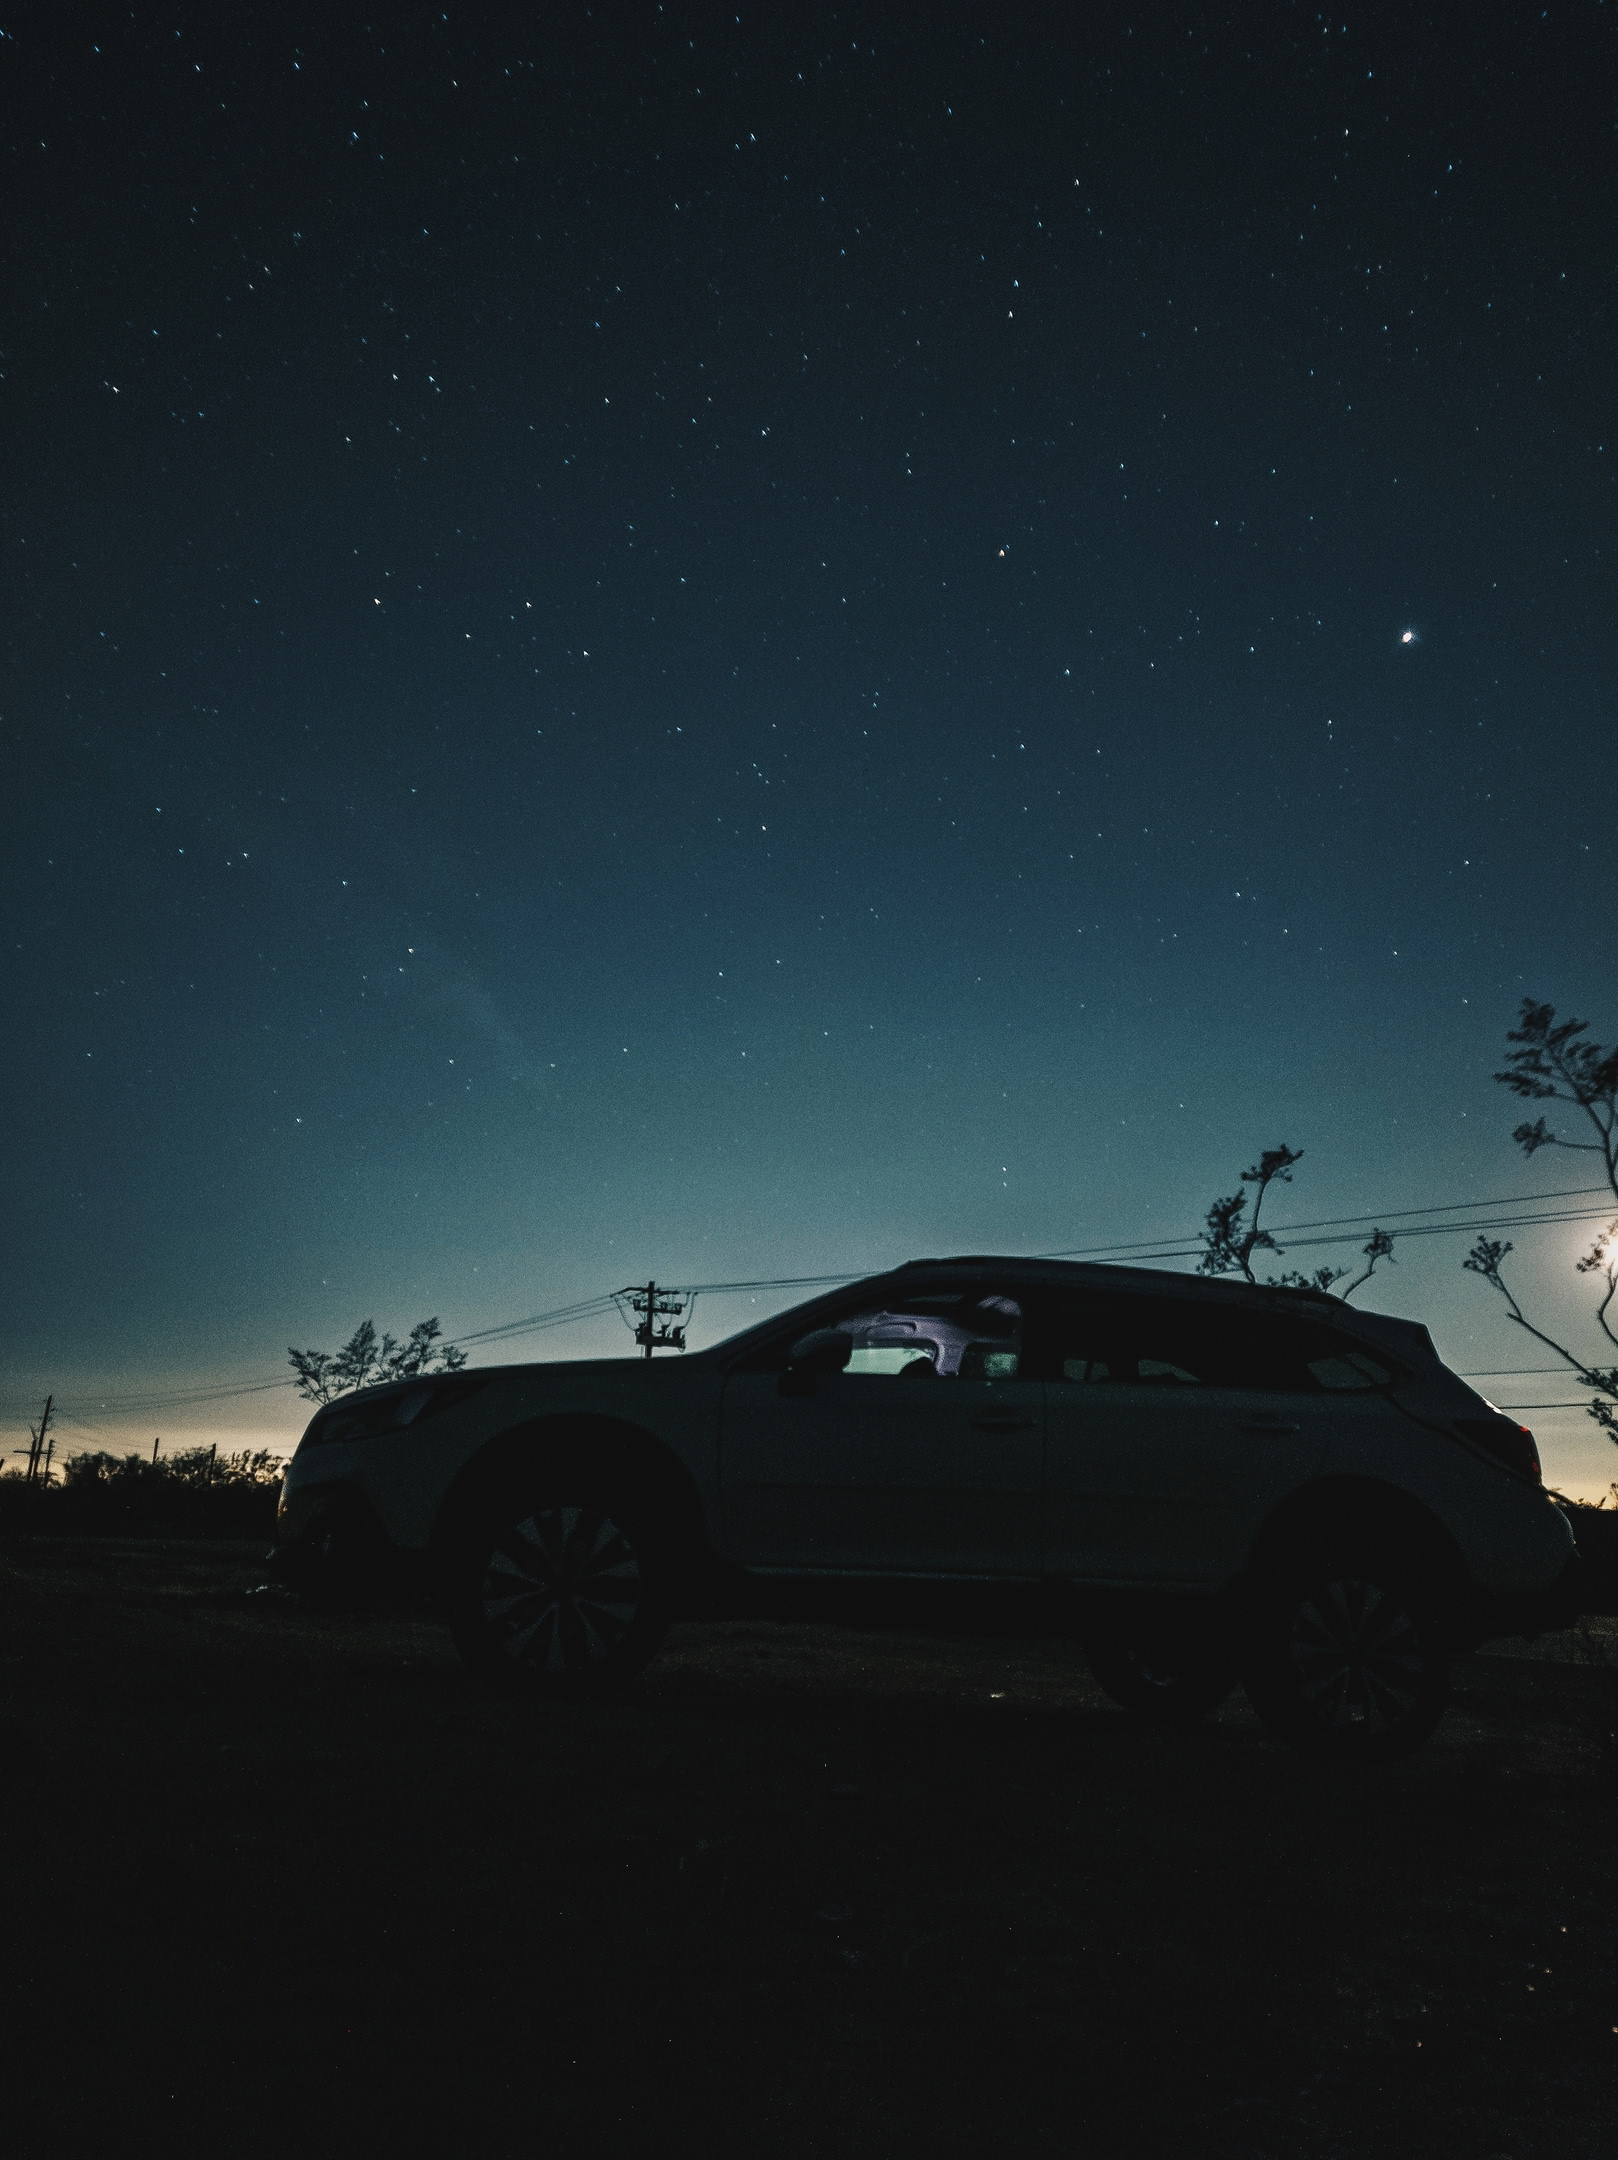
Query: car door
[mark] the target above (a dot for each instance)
(1172, 1430)
(923, 1458)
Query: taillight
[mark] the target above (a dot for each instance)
(1507, 1442)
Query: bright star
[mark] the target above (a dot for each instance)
(1409, 637)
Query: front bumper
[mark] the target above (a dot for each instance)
(327, 1536)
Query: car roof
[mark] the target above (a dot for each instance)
(1403, 1337)
(1108, 1275)
(1095, 1277)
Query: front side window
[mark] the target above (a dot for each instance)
(975, 1333)
(962, 1335)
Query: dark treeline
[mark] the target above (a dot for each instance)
(196, 1493)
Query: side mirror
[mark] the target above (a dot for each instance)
(827, 1350)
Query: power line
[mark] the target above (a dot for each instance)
(1514, 1372)
(1345, 1237)
(1384, 1215)
(179, 1398)
(1346, 1227)
(184, 1398)
(558, 1316)
(1152, 1249)
(781, 1282)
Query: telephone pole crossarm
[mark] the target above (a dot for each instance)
(654, 1316)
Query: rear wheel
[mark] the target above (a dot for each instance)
(1161, 1675)
(1348, 1657)
(560, 1592)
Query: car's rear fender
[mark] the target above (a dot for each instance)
(1329, 1507)
(605, 1449)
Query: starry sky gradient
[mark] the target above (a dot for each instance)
(639, 640)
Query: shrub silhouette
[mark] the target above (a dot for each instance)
(367, 1359)
(196, 1493)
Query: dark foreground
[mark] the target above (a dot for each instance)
(290, 1882)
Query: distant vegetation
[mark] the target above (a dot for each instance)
(197, 1493)
(367, 1359)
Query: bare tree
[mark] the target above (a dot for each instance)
(367, 1359)
(1549, 1062)
(1232, 1236)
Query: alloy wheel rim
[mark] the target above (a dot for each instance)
(561, 1589)
(1356, 1657)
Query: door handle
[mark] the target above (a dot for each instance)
(1002, 1421)
(1266, 1425)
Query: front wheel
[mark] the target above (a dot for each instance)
(1348, 1657)
(559, 1593)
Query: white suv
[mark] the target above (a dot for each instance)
(1205, 1482)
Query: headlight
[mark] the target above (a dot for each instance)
(375, 1411)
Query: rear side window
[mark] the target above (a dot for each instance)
(1173, 1343)
(1347, 1370)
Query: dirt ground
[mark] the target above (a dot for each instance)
(288, 1881)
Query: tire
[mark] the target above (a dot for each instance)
(1348, 1660)
(560, 1590)
(1161, 1676)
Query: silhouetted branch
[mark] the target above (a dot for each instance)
(1379, 1246)
(1549, 1063)
(1602, 1259)
(1230, 1241)
(1484, 1259)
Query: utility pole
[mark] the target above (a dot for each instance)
(156, 1444)
(650, 1307)
(36, 1435)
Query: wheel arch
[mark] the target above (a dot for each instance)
(1337, 1503)
(604, 1446)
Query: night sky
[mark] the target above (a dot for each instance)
(753, 645)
